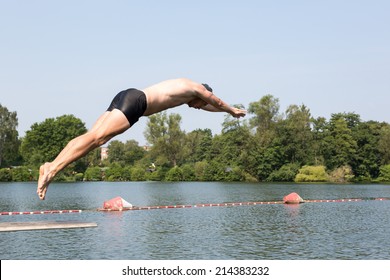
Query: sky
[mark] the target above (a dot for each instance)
(72, 57)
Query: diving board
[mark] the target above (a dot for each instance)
(40, 225)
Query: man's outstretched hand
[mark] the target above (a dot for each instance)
(238, 113)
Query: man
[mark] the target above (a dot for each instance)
(125, 110)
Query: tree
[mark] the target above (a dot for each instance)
(174, 174)
(156, 127)
(367, 159)
(384, 173)
(197, 145)
(125, 153)
(341, 146)
(166, 136)
(116, 149)
(286, 173)
(263, 153)
(384, 144)
(320, 130)
(9, 142)
(45, 140)
(266, 112)
(296, 134)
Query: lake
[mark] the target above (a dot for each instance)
(324, 230)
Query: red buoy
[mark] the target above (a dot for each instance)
(292, 198)
(116, 204)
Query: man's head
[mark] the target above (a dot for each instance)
(208, 87)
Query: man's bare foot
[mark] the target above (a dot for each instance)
(45, 178)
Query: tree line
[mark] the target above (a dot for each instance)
(266, 146)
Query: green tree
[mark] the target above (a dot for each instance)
(200, 168)
(384, 144)
(296, 135)
(174, 174)
(320, 130)
(367, 158)
(125, 153)
(188, 172)
(286, 173)
(114, 172)
(138, 174)
(266, 112)
(133, 152)
(93, 174)
(197, 145)
(5, 175)
(166, 136)
(45, 140)
(228, 149)
(21, 174)
(263, 152)
(116, 150)
(341, 146)
(384, 173)
(9, 141)
(156, 127)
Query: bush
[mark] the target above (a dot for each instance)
(312, 174)
(234, 174)
(286, 173)
(157, 175)
(78, 176)
(126, 173)
(5, 175)
(138, 174)
(384, 173)
(249, 178)
(114, 172)
(188, 172)
(21, 174)
(200, 170)
(215, 171)
(343, 174)
(174, 174)
(93, 174)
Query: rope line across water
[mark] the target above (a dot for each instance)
(200, 205)
(40, 212)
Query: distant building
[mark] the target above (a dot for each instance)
(103, 153)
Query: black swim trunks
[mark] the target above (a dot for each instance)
(132, 103)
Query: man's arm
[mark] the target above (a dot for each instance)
(211, 108)
(237, 113)
(211, 99)
(215, 104)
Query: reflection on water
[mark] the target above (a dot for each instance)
(350, 230)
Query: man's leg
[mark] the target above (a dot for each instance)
(107, 126)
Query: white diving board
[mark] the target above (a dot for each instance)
(40, 225)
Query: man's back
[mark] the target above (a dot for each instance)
(169, 94)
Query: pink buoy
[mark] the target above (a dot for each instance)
(292, 198)
(116, 204)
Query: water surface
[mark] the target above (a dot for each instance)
(348, 230)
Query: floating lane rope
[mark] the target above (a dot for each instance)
(40, 212)
(202, 205)
(119, 204)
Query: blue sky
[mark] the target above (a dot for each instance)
(72, 57)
